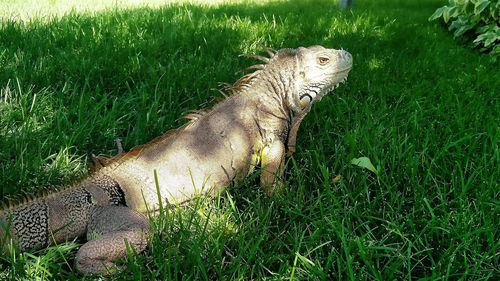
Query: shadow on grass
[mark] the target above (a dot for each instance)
(84, 80)
(118, 50)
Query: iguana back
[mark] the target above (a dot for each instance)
(203, 156)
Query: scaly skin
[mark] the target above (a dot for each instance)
(256, 125)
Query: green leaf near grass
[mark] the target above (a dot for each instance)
(364, 162)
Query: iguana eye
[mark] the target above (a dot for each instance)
(323, 60)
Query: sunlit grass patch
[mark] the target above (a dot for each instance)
(26, 10)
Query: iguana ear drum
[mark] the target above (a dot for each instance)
(305, 100)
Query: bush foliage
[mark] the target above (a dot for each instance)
(475, 20)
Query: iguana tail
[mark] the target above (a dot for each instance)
(57, 216)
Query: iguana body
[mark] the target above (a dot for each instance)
(256, 125)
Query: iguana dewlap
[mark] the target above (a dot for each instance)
(256, 125)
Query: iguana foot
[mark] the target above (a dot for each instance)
(113, 231)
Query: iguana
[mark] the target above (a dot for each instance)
(256, 125)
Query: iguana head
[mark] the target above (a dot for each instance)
(299, 76)
(320, 70)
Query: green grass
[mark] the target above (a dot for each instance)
(424, 109)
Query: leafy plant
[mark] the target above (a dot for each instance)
(474, 19)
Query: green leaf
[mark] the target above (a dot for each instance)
(364, 162)
(454, 12)
(487, 38)
(483, 29)
(480, 6)
(446, 14)
(460, 25)
(438, 13)
(496, 51)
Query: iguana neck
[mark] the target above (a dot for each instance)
(275, 110)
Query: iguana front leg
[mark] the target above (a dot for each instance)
(273, 155)
(272, 165)
(111, 233)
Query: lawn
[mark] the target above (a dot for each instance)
(423, 107)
